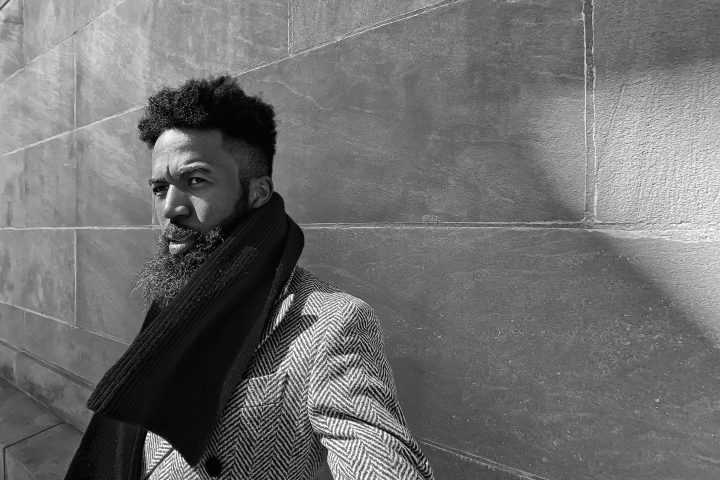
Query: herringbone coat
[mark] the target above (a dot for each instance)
(318, 382)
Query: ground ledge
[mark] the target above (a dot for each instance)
(36, 444)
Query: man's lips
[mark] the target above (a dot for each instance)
(180, 242)
(176, 247)
(180, 239)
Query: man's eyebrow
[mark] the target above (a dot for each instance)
(182, 171)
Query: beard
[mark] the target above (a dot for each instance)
(163, 276)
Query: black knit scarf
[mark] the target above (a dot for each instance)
(179, 372)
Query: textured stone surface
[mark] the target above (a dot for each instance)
(37, 102)
(44, 456)
(686, 271)
(8, 354)
(37, 271)
(20, 418)
(319, 21)
(47, 23)
(12, 325)
(107, 261)
(113, 167)
(544, 350)
(50, 185)
(12, 209)
(113, 61)
(446, 464)
(471, 112)
(244, 35)
(65, 395)
(85, 11)
(138, 46)
(76, 350)
(11, 38)
(657, 98)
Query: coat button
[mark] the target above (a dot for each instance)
(213, 466)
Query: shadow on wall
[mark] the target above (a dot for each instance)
(541, 349)
(557, 351)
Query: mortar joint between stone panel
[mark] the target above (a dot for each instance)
(68, 132)
(289, 28)
(56, 369)
(486, 462)
(87, 227)
(416, 225)
(75, 286)
(590, 123)
(39, 314)
(75, 84)
(367, 28)
(63, 39)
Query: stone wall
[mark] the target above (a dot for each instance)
(527, 192)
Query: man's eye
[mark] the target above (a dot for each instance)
(196, 180)
(159, 189)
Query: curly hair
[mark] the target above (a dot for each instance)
(214, 103)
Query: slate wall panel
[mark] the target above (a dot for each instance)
(470, 112)
(320, 21)
(113, 168)
(48, 22)
(12, 325)
(244, 35)
(7, 361)
(686, 271)
(137, 47)
(12, 180)
(85, 11)
(113, 61)
(55, 389)
(78, 351)
(11, 245)
(657, 100)
(107, 262)
(37, 271)
(38, 101)
(43, 455)
(541, 349)
(11, 38)
(50, 192)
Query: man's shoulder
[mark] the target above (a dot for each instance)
(317, 294)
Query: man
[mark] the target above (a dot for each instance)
(246, 366)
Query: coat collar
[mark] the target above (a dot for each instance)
(280, 308)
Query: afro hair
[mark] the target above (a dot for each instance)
(212, 103)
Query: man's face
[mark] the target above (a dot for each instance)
(195, 183)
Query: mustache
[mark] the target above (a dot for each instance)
(177, 232)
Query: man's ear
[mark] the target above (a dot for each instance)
(260, 191)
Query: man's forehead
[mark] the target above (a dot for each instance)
(188, 139)
(175, 148)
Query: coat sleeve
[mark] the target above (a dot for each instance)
(353, 403)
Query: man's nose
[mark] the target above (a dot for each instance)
(176, 204)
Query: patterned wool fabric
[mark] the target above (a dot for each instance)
(318, 384)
